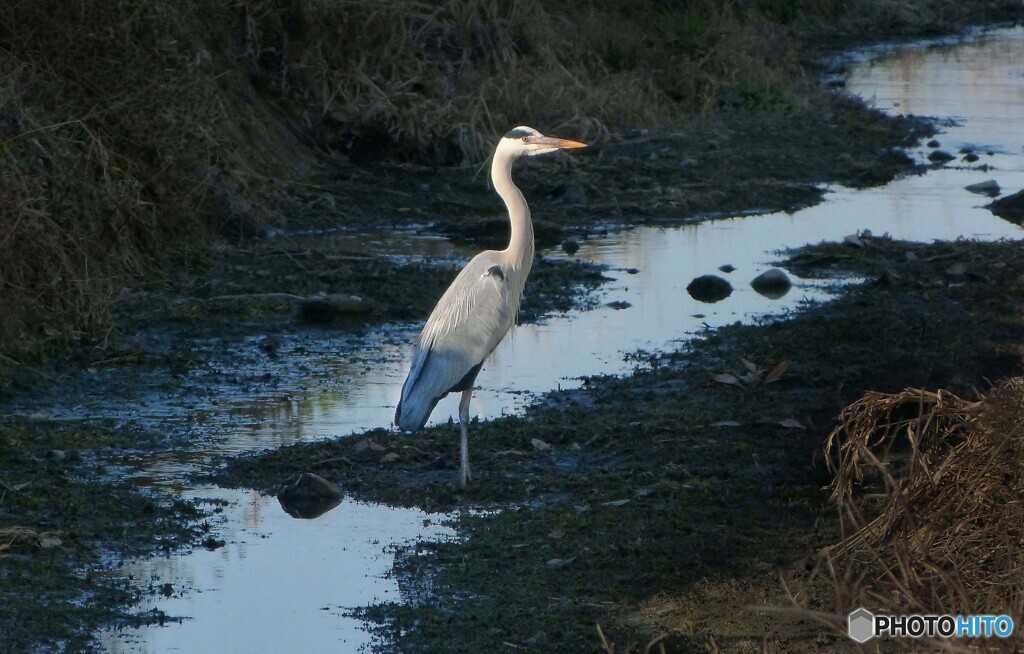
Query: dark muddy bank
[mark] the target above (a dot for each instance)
(64, 520)
(657, 504)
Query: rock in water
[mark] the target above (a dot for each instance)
(570, 246)
(940, 156)
(772, 283)
(1010, 208)
(989, 187)
(309, 496)
(709, 288)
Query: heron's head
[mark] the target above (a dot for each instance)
(529, 142)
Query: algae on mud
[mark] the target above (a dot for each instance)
(654, 513)
(64, 524)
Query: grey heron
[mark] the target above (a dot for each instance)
(481, 304)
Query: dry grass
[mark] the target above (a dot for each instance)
(131, 127)
(930, 492)
(128, 128)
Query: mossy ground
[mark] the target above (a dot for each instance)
(62, 524)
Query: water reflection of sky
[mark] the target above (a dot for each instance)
(279, 583)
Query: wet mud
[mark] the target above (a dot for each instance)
(656, 504)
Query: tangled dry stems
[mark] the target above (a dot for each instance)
(930, 492)
(131, 128)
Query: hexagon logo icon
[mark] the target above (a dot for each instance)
(861, 625)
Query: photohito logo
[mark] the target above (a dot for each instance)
(863, 625)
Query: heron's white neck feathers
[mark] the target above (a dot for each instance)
(519, 252)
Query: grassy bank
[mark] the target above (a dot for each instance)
(132, 131)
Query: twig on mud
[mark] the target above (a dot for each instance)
(609, 648)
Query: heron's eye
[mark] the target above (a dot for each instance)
(526, 139)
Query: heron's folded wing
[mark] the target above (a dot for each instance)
(469, 321)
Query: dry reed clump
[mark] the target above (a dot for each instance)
(443, 80)
(102, 129)
(128, 127)
(930, 492)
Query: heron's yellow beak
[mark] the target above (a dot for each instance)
(561, 144)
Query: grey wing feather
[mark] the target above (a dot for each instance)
(468, 322)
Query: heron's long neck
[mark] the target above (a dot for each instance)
(520, 246)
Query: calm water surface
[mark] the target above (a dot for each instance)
(282, 584)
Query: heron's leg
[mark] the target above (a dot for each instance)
(464, 474)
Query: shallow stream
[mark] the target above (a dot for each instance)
(282, 584)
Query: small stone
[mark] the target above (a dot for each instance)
(727, 268)
(332, 307)
(773, 283)
(618, 305)
(956, 271)
(570, 246)
(933, 144)
(909, 256)
(709, 288)
(970, 157)
(989, 187)
(940, 156)
(855, 240)
(309, 485)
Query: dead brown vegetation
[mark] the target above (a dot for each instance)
(929, 490)
(130, 128)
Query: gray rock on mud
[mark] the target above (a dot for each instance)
(329, 308)
(772, 283)
(709, 288)
(940, 156)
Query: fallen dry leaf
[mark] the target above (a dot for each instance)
(726, 423)
(726, 378)
(776, 373)
(559, 563)
(790, 423)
